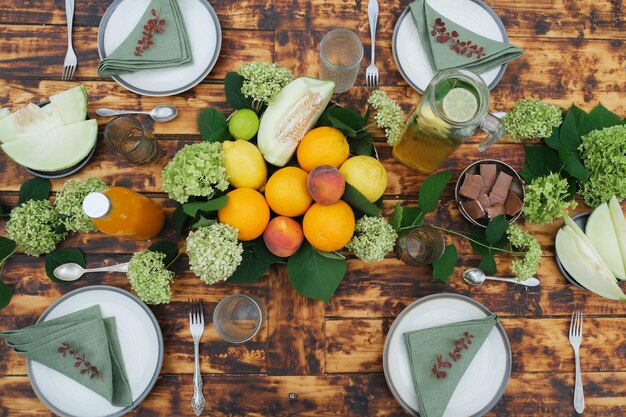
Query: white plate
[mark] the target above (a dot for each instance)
(483, 383)
(142, 349)
(472, 14)
(205, 37)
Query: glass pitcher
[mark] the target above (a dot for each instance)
(452, 109)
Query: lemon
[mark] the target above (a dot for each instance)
(367, 175)
(245, 165)
(460, 105)
(243, 124)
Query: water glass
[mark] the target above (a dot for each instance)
(127, 137)
(341, 53)
(421, 245)
(238, 318)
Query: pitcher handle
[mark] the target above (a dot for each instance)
(495, 129)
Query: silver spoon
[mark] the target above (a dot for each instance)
(476, 276)
(71, 272)
(161, 113)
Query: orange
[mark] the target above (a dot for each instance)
(323, 146)
(329, 227)
(286, 192)
(247, 211)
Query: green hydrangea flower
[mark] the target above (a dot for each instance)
(263, 81)
(35, 227)
(214, 252)
(532, 119)
(527, 266)
(149, 277)
(196, 170)
(603, 153)
(373, 239)
(69, 203)
(389, 116)
(547, 199)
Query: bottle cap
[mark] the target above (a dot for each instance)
(96, 205)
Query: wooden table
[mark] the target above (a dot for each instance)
(313, 359)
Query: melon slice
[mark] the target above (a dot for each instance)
(601, 233)
(619, 224)
(583, 262)
(65, 108)
(62, 148)
(293, 113)
(4, 113)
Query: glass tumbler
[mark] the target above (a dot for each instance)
(421, 245)
(341, 53)
(238, 318)
(127, 137)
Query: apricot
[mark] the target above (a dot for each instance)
(283, 236)
(326, 184)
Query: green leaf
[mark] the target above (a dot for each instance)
(180, 219)
(201, 221)
(346, 116)
(263, 253)
(330, 255)
(338, 124)
(191, 209)
(314, 275)
(5, 295)
(366, 115)
(575, 125)
(496, 229)
(250, 269)
(7, 248)
(212, 125)
(443, 267)
(358, 201)
(488, 264)
(542, 161)
(395, 218)
(527, 174)
(169, 249)
(601, 117)
(232, 88)
(34, 189)
(431, 190)
(402, 217)
(362, 144)
(63, 256)
(554, 140)
(572, 164)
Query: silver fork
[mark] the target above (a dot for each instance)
(575, 339)
(196, 327)
(71, 62)
(371, 73)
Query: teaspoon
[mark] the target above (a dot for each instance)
(476, 276)
(161, 113)
(71, 272)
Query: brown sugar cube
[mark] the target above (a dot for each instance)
(512, 204)
(473, 209)
(472, 185)
(496, 199)
(489, 173)
(483, 199)
(500, 189)
(495, 210)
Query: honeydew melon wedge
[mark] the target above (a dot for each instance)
(603, 237)
(619, 224)
(583, 262)
(62, 147)
(4, 113)
(65, 108)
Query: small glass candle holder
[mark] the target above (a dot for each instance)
(341, 52)
(238, 318)
(127, 137)
(421, 245)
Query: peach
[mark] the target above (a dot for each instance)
(326, 184)
(283, 236)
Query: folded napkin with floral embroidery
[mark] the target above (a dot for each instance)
(82, 346)
(449, 45)
(439, 357)
(159, 40)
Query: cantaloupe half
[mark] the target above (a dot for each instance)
(65, 108)
(602, 234)
(61, 148)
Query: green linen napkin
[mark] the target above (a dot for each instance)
(162, 24)
(82, 346)
(449, 45)
(439, 356)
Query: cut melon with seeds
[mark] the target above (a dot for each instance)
(602, 234)
(71, 104)
(61, 148)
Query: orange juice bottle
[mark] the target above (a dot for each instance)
(122, 212)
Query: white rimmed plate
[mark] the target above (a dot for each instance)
(141, 342)
(472, 14)
(205, 37)
(484, 381)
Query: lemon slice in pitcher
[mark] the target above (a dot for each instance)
(459, 105)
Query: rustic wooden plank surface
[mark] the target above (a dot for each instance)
(313, 359)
